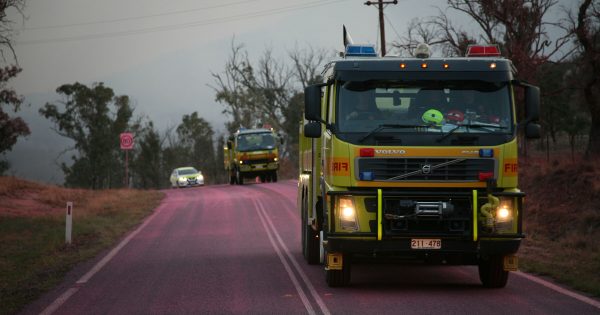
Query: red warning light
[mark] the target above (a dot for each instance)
(367, 152)
(483, 51)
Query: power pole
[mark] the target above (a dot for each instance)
(380, 4)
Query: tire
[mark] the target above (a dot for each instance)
(310, 238)
(492, 273)
(274, 177)
(231, 180)
(262, 178)
(239, 177)
(339, 278)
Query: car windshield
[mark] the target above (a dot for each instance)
(187, 171)
(442, 106)
(255, 141)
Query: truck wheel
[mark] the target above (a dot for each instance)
(310, 242)
(339, 278)
(239, 178)
(492, 273)
(274, 177)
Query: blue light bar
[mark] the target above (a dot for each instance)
(360, 51)
(486, 153)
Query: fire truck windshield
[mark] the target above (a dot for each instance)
(255, 141)
(438, 107)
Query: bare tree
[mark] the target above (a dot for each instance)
(586, 26)
(518, 26)
(307, 64)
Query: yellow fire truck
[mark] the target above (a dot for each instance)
(252, 153)
(414, 160)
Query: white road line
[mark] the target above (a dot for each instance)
(287, 267)
(85, 278)
(558, 289)
(309, 285)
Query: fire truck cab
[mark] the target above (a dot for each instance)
(414, 160)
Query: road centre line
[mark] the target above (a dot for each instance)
(558, 289)
(286, 265)
(295, 263)
(86, 277)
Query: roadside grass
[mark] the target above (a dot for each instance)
(562, 221)
(33, 255)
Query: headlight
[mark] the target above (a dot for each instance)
(347, 214)
(182, 179)
(504, 215)
(200, 177)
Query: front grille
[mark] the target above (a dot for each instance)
(425, 169)
(258, 161)
(405, 220)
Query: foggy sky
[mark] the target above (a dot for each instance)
(162, 53)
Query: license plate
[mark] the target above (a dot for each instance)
(258, 167)
(426, 243)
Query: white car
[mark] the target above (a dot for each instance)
(186, 177)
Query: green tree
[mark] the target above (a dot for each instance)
(88, 120)
(196, 139)
(147, 164)
(11, 128)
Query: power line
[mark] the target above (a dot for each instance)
(183, 25)
(393, 28)
(133, 18)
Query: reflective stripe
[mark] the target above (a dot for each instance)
(379, 214)
(474, 215)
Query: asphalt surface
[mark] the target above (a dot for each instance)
(236, 249)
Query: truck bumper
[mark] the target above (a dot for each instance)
(258, 169)
(453, 251)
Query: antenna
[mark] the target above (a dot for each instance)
(347, 39)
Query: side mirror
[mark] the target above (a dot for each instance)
(532, 103)
(312, 129)
(533, 131)
(312, 103)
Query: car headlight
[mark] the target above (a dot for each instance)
(200, 177)
(347, 213)
(182, 179)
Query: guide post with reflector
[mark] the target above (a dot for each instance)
(69, 223)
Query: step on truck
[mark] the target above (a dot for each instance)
(251, 153)
(414, 160)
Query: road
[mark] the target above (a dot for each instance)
(236, 249)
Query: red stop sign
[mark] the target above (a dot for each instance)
(126, 141)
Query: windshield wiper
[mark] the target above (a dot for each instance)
(389, 126)
(446, 135)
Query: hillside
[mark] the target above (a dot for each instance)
(562, 220)
(34, 255)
